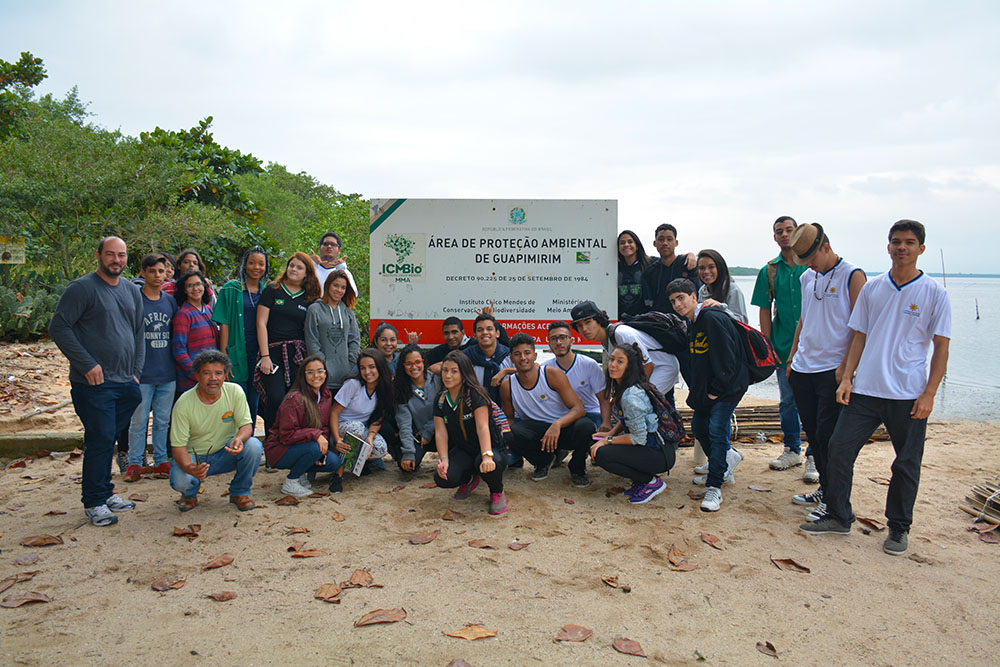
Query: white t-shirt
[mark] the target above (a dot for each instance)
(899, 323)
(358, 403)
(826, 310)
(322, 272)
(665, 366)
(586, 378)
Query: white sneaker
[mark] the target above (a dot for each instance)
(305, 484)
(810, 475)
(701, 480)
(100, 515)
(808, 498)
(816, 513)
(701, 470)
(712, 500)
(788, 459)
(733, 459)
(292, 487)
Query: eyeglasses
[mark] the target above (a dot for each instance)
(560, 339)
(318, 371)
(329, 244)
(411, 364)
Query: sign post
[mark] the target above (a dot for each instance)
(534, 259)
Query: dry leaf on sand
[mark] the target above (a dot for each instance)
(573, 633)
(139, 497)
(429, 485)
(879, 480)
(517, 546)
(472, 632)
(451, 515)
(758, 487)
(308, 553)
(287, 500)
(569, 501)
(54, 513)
(292, 530)
(24, 598)
(221, 561)
(695, 495)
(328, 593)
(361, 578)
(481, 544)
(872, 523)
(191, 532)
(397, 488)
(166, 583)
(338, 517)
(790, 565)
(424, 538)
(381, 616)
(296, 546)
(628, 646)
(711, 540)
(458, 662)
(989, 538)
(610, 580)
(41, 540)
(679, 561)
(767, 648)
(224, 596)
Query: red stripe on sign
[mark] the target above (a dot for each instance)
(430, 330)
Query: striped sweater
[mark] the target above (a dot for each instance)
(193, 331)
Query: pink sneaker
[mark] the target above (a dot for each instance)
(498, 503)
(465, 490)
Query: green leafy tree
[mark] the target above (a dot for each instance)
(15, 80)
(209, 169)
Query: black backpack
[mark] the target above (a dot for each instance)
(668, 329)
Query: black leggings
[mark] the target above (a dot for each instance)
(462, 465)
(637, 462)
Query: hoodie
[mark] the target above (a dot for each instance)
(333, 334)
(717, 365)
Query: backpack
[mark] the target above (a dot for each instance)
(669, 425)
(667, 329)
(759, 356)
(499, 424)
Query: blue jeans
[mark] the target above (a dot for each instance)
(712, 428)
(245, 464)
(302, 458)
(594, 417)
(160, 399)
(104, 410)
(788, 413)
(253, 398)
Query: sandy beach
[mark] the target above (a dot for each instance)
(857, 605)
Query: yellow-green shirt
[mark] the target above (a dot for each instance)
(205, 429)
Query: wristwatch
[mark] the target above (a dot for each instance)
(489, 453)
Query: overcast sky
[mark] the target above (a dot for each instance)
(714, 116)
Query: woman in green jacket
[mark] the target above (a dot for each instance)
(236, 314)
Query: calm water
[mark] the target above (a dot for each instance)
(971, 388)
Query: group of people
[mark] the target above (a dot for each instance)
(851, 354)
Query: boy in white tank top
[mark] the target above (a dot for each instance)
(545, 414)
(819, 350)
(897, 317)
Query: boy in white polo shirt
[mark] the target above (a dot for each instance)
(816, 363)
(897, 317)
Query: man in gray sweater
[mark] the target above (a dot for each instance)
(98, 326)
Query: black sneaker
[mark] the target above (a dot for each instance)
(814, 498)
(823, 525)
(541, 472)
(336, 484)
(561, 455)
(896, 543)
(581, 480)
(122, 460)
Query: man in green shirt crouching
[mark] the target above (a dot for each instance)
(212, 425)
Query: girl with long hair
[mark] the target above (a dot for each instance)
(416, 391)
(332, 329)
(192, 329)
(281, 323)
(300, 439)
(717, 284)
(190, 260)
(364, 401)
(468, 441)
(386, 339)
(633, 448)
(632, 261)
(236, 314)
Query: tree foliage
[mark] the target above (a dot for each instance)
(15, 79)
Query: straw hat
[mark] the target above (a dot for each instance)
(807, 239)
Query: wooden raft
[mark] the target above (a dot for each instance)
(977, 502)
(751, 420)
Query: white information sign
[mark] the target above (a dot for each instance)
(534, 259)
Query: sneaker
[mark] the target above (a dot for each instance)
(816, 513)
(647, 492)
(292, 487)
(541, 472)
(116, 503)
(712, 500)
(162, 471)
(813, 498)
(896, 543)
(733, 459)
(133, 474)
(336, 484)
(122, 459)
(561, 455)
(701, 470)
(304, 481)
(701, 480)
(825, 524)
(810, 475)
(498, 503)
(100, 515)
(465, 490)
(788, 459)
(632, 489)
(581, 481)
